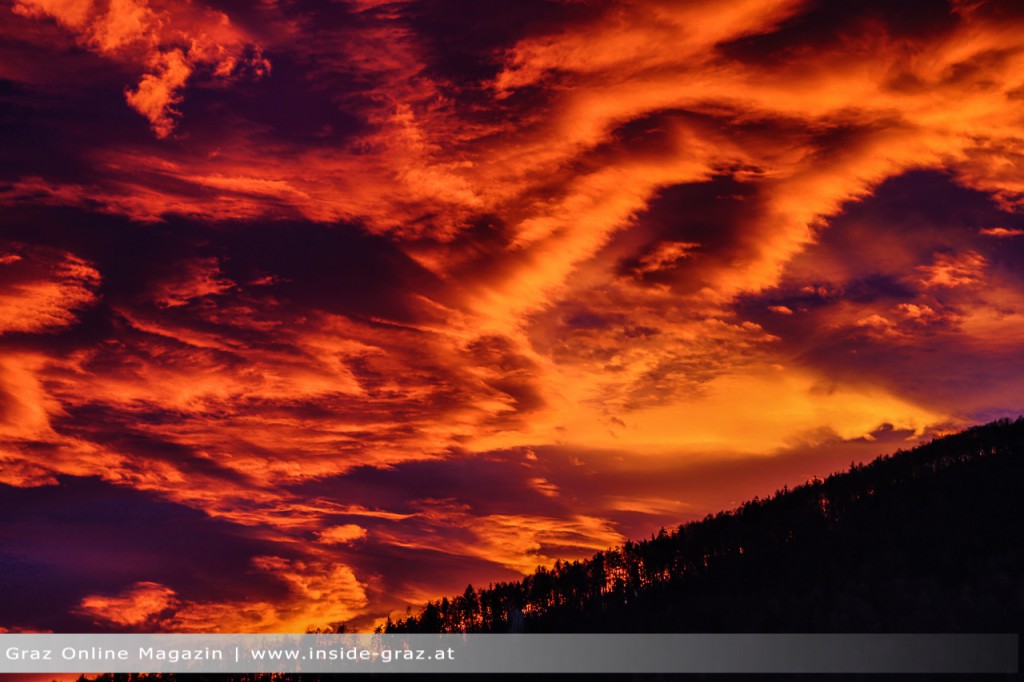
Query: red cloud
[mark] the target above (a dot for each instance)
(43, 289)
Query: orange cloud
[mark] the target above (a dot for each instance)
(43, 290)
(1000, 232)
(666, 253)
(342, 535)
(136, 606)
(157, 93)
(519, 542)
(953, 270)
(26, 407)
(318, 595)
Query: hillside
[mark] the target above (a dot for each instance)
(925, 540)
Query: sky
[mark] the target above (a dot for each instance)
(311, 311)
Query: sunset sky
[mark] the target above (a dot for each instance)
(311, 310)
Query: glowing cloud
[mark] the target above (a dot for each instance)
(43, 290)
(136, 606)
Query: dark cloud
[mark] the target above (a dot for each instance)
(863, 312)
(335, 268)
(466, 41)
(826, 26)
(85, 536)
(495, 483)
(713, 216)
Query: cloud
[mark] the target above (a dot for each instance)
(665, 254)
(143, 35)
(135, 606)
(191, 280)
(321, 596)
(634, 38)
(342, 535)
(953, 270)
(1000, 232)
(902, 285)
(519, 542)
(43, 289)
(156, 95)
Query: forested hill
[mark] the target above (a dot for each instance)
(926, 540)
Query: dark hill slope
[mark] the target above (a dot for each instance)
(926, 540)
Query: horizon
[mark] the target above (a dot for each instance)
(309, 314)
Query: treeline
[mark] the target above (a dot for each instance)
(926, 540)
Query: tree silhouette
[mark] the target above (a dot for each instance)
(923, 540)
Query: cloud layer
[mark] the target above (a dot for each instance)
(385, 298)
